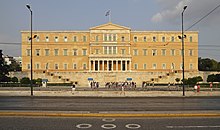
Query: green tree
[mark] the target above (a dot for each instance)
(14, 79)
(177, 80)
(25, 80)
(208, 64)
(4, 69)
(213, 78)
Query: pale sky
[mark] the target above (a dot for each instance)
(137, 14)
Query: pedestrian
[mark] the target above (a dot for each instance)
(73, 88)
(195, 88)
(198, 88)
(211, 86)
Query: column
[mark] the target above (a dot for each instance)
(103, 65)
(129, 65)
(98, 65)
(107, 65)
(121, 65)
(89, 65)
(93, 65)
(126, 67)
(112, 65)
(116, 65)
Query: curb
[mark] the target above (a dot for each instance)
(45, 114)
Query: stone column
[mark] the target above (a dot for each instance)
(89, 65)
(112, 65)
(121, 65)
(129, 65)
(98, 65)
(93, 65)
(116, 65)
(126, 67)
(103, 69)
(107, 65)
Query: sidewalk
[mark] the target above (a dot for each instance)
(100, 93)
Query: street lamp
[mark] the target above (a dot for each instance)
(31, 38)
(182, 38)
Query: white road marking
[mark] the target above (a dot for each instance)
(133, 126)
(108, 126)
(108, 119)
(84, 126)
(183, 127)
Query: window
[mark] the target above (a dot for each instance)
(122, 38)
(135, 52)
(154, 39)
(145, 39)
(84, 39)
(65, 66)
(37, 52)
(172, 52)
(28, 39)
(28, 52)
(154, 66)
(37, 66)
(114, 50)
(163, 66)
(154, 52)
(56, 66)
(172, 66)
(56, 52)
(135, 39)
(105, 37)
(135, 66)
(75, 52)
(96, 51)
(145, 66)
(163, 52)
(56, 39)
(96, 38)
(190, 52)
(181, 52)
(163, 39)
(65, 52)
(105, 50)
(114, 37)
(84, 52)
(65, 39)
(110, 37)
(47, 39)
(109, 50)
(74, 66)
(123, 51)
(191, 66)
(37, 39)
(84, 66)
(172, 38)
(46, 52)
(144, 52)
(28, 66)
(75, 39)
(191, 39)
(46, 66)
(181, 66)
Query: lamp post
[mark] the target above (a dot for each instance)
(31, 38)
(182, 37)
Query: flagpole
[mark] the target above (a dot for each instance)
(109, 16)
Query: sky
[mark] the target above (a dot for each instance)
(159, 15)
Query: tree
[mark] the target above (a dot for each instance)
(4, 69)
(25, 80)
(213, 78)
(193, 80)
(14, 79)
(208, 64)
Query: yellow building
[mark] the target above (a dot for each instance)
(108, 52)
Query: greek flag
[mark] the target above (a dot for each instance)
(107, 13)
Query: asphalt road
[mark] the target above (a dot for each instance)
(48, 123)
(110, 104)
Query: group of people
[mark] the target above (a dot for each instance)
(94, 84)
(125, 84)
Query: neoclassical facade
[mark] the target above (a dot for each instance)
(108, 49)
